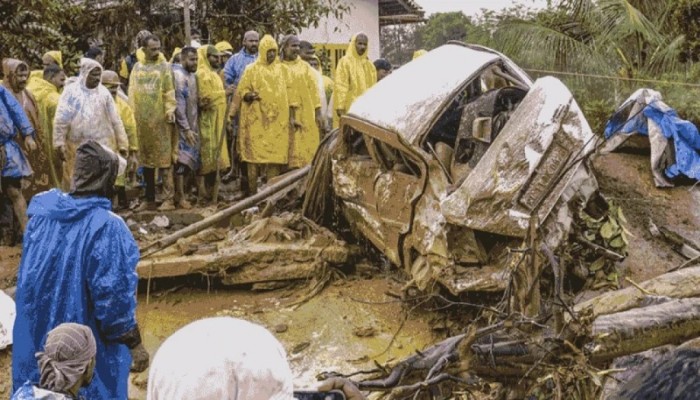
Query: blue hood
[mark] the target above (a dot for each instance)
(60, 206)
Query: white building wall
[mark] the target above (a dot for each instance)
(362, 17)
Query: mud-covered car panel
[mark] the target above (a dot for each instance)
(527, 167)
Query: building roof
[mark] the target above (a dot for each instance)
(392, 12)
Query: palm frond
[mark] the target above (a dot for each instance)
(665, 58)
(620, 19)
(539, 46)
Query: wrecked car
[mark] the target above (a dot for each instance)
(451, 162)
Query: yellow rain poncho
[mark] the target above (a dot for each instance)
(39, 73)
(152, 97)
(127, 116)
(140, 57)
(419, 53)
(353, 76)
(211, 119)
(327, 81)
(304, 97)
(264, 124)
(46, 95)
(86, 114)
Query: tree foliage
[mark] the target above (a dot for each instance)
(28, 28)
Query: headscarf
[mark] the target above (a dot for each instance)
(96, 169)
(57, 56)
(86, 66)
(224, 47)
(9, 69)
(69, 350)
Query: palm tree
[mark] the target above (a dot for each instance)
(626, 38)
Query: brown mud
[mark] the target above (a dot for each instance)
(353, 321)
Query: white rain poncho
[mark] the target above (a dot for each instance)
(220, 358)
(86, 114)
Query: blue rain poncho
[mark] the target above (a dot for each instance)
(13, 119)
(683, 134)
(78, 265)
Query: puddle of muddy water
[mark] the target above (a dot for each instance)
(320, 335)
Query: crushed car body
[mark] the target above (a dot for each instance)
(446, 164)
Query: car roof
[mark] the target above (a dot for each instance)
(407, 101)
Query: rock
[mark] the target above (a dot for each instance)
(281, 328)
(364, 331)
(161, 221)
(300, 347)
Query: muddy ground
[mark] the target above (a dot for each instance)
(355, 320)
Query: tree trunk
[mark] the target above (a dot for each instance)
(678, 284)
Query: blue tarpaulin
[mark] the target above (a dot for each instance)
(78, 265)
(683, 134)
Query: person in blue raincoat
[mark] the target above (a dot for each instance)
(79, 265)
(13, 163)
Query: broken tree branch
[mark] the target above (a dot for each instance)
(246, 203)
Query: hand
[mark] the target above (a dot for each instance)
(319, 121)
(61, 153)
(30, 143)
(231, 89)
(251, 97)
(348, 388)
(294, 124)
(170, 117)
(340, 112)
(204, 102)
(139, 359)
(190, 137)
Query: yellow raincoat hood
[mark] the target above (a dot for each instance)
(266, 43)
(223, 46)
(141, 56)
(57, 56)
(352, 49)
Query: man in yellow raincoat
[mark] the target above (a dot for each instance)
(263, 137)
(49, 58)
(111, 81)
(305, 104)
(212, 110)
(353, 76)
(46, 92)
(152, 98)
(127, 63)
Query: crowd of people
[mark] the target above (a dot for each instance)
(68, 141)
(203, 113)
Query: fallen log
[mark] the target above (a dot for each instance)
(262, 260)
(164, 242)
(639, 329)
(683, 283)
